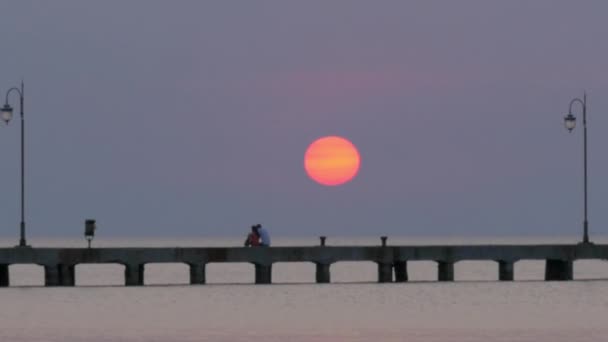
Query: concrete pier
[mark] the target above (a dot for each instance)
(445, 271)
(558, 270)
(385, 272)
(322, 274)
(263, 273)
(505, 270)
(4, 280)
(134, 274)
(197, 273)
(400, 271)
(59, 263)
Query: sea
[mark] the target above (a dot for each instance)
(474, 308)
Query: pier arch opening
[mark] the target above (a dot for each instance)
(530, 270)
(476, 270)
(354, 272)
(106, 274)
(422, 270)
(26, 275)
(230, 273)
(166, 274)
(590, 269)
(293, 272)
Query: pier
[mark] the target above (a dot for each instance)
(59, 263)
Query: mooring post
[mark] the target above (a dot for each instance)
(323, 275)
(263, 274)
(445, 271)
(383, 239)
(400, 271)
(134, 274)
(505, 270)
(52, 275)
(4, 279)
(197, 273)
(385, 272)
(558, 269)
(322, 238)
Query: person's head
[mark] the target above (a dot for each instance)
(255, 228)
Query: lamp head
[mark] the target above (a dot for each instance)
(7, 113)
(570, 122)
(89, 229)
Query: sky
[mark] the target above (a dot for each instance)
(191, 118)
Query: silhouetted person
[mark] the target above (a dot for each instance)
(263, 234)
(253, 239)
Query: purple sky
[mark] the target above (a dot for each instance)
(192, 118)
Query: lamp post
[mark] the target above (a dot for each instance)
(7, 115)
(570, 123)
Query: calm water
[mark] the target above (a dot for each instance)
(474, 308)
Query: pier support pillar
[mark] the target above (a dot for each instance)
(263, 274)
(323, 274)
(134, 274)
(558, 270)
(67, 276)
(385, 272)
(505, 270)
(445, 271)
(400, 271)
(197, 273)
(4, 281)
(52, 275)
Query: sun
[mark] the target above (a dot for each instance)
(332, 161)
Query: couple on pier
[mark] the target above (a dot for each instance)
(258, 237)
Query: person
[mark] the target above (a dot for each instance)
(253, 239)
(263, 234)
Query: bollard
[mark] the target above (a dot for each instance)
(383, 238)
(322, 238)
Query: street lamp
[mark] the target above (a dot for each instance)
(570, 123)
(89, 231)
(6, 115)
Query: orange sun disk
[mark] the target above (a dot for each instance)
(332, 161)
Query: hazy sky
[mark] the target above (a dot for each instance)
(189, 118)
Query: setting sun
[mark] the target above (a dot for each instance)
(332, 161)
